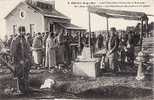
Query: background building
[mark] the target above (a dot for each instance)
(38, 16)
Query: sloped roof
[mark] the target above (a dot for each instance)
(129, 15)
(45, 12)
(70, 26)
(49, 13)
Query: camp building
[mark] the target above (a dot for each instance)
(39, 16)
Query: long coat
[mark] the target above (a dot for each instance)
(50, 53)
(60, 50)
(112, 44)
(20, 51)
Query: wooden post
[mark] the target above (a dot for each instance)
(90, 34)
(79, 34)
(146, 22)
(107, 25)
(141, 37)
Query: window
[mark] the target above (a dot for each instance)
(22, 14)
(32, 28)
(52, 28)
(22, 29)
(14, 29)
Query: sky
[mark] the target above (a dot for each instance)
(79, 16)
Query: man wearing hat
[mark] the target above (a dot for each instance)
(112, 47)
(20, 51)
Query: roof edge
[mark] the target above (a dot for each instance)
(13, 9)
(53, 16)
(22, 2)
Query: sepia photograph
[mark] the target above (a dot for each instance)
(76, 49)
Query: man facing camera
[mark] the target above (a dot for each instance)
(112, 47)
(20, 51)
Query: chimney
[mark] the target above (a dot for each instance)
(31, 2)
(49, 2)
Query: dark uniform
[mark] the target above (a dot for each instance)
(123, 50)
(112, 47)
(93, 43)
(20, 51)
(100, 41)
(131, 48)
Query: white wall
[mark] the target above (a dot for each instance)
(31, 17)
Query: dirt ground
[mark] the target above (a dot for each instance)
(107, 86)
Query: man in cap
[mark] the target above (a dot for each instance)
(20, 51)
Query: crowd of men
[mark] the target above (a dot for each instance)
(119, 47)
(63, 48)
(43, 50)
(50, 50)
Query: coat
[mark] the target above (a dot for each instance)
(21, 54)
(113, 43)
(20, 49)
(60, 50)
(50, 60)
(100, 41)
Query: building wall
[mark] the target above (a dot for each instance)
(31, 17)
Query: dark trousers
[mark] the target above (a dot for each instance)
(22, 72)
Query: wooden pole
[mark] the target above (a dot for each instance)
(79, 35)
(90, 34)
(107, 25)
(146, 22)
(141, 34)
